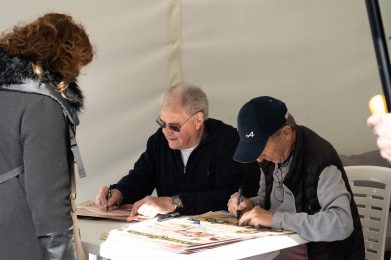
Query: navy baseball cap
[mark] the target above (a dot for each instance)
(258, 119)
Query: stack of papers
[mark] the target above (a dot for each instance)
(189, 234)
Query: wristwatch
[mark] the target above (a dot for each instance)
(176, 202)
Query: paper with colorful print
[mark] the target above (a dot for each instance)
(189, 234)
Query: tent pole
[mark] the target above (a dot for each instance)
(379, 42)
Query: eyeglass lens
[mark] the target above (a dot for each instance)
(172, 127)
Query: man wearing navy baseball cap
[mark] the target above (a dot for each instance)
(257, 120)
(303, 185)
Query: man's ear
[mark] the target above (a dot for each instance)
(287, 132)
(200, 117)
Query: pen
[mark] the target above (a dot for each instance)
(240, 199)
(108, 197)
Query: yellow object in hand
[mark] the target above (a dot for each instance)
(377, 105)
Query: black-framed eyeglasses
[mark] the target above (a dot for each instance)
(279, 189)
(172, 126)
(279, 179)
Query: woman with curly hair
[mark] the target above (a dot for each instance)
(39, 100)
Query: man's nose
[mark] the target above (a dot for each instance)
(167, 131)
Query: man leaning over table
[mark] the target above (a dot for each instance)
(188, 160)
(303, 186)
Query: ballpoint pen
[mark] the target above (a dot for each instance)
(108, 197)
(240, 199)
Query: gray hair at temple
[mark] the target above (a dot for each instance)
(193, 99)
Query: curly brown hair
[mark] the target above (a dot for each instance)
(52, 42)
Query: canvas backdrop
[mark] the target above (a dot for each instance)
(315, 55)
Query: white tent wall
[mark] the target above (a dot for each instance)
(315, 55)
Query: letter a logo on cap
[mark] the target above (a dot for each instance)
(250, 134)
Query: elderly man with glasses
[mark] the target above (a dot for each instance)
(303, 185)
(188, 161)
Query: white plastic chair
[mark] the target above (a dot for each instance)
(371, 186)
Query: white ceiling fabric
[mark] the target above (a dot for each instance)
(315, 55)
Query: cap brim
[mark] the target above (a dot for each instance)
(249, 152)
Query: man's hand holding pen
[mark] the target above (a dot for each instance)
(108, 198)
(238, 205)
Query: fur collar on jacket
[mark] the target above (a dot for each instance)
(15, 70)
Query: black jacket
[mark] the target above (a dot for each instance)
(206, 183)
(312, 154)
(35, 206)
